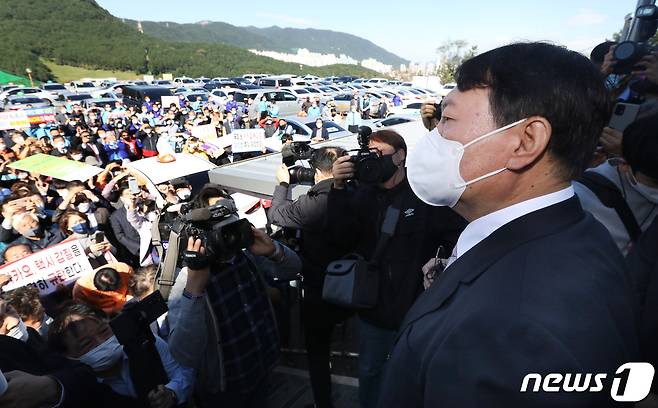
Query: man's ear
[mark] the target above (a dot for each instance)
(530, 142)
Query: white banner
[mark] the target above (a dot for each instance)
(166, 101)
(248, 140)
(14, 120)
(60, 264)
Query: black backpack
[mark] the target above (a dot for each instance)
(610, 196)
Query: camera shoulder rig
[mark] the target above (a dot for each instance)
(165, 276)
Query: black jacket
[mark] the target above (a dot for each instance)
(642, 263)
(355, 218)
(308, 213)
(78, 381)
(545, 293)
(125, 233)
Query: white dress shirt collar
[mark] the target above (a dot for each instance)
(481, 228)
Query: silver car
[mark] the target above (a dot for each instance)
(24, 102)
(285, 100)
(304, 127)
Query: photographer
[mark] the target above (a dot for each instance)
(631, 184)
(355, 216)
(220, 316)
(308, 214)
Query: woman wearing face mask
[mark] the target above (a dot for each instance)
(116, 150)
(320, 133)
(76, 224)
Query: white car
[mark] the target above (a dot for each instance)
(299, 92)
(28, 91)
(445, 90)
(407, 110)
(83, 86)
(221, 95)
(377, 81)
(54, 88)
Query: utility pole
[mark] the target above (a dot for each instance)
(29, 75)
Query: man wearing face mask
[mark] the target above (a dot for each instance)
(81, 333)
(59, 145)
(34, 233)
(355, 217)
(534, 283)
(634, 182)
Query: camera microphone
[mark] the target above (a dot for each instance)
(198, 214)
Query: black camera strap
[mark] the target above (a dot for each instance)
(389, 226)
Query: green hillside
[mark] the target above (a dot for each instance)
(271, 39)
(81, 33)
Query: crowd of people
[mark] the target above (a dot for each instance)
(490, 254)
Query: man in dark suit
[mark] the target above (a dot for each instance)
(124, 232)
(534, 284)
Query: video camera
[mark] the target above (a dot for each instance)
(132, 329)
(367, 164)
(294, 152)
(220, 229)
(635, 38)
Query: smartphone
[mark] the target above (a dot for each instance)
(99, 236)
(623, 115)
(133, 186)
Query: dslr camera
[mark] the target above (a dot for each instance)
(299, 151)
(635, 46)
(367, 164)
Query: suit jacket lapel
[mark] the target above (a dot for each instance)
(469, 266)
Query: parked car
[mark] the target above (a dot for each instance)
(285, 100)
(54, 88)
(300, 93)
(82, 86)
(134, 95)
(184, 81)
(74, 97)
(253, 77)
(377, 81)
(97, 102)
(28, 91)
(445, 89)
(273, 82)
(192, 96)
(164, 83)
(304, 127)
(17, 102)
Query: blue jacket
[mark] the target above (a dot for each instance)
(545, 293)
(314, 112)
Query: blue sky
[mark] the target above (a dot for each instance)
(412, 29)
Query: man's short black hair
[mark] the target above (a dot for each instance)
(598, 53)
(540, 79)
(640, 146)
(75, 184)
(62, 324)
(323, 158)
(107, 280)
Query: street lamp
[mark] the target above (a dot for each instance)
(29, 75)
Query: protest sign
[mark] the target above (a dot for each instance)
(40, 115)
(56, 167)
(59, 264)
(204, 132)
(184, 165)
(14, 120)
(248, 140)
(116, 114)
(166, 101)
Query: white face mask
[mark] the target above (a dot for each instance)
(103, 356)
(19, 332)
(184, 194)
(84, 207)
(433, 167)
(151, 216)
(649, 193)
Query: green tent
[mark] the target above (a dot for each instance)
(6, 77)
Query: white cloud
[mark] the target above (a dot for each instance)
(586, 17)
(274, 18)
